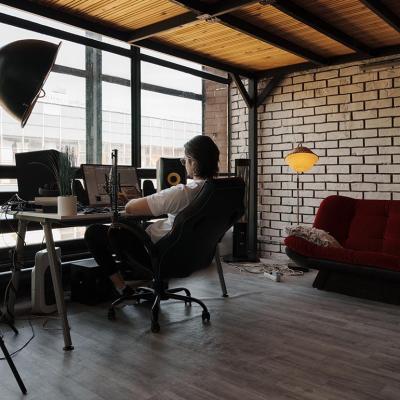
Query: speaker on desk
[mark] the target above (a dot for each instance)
(170, 172)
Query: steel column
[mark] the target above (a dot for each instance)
(136, 107)
(253, 181)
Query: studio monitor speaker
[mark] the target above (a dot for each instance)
(170, 172)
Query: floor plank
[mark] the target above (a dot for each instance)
(268, 340)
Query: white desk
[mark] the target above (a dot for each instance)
(46, 220)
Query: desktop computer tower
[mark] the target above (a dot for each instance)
(43, 300)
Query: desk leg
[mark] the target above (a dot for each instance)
(17, 263)
(57, 285)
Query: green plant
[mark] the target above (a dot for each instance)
(64, 172)
(61, 165)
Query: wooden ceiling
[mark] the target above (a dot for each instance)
(253, 37)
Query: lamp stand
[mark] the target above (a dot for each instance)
(298, 199)
(291, 264)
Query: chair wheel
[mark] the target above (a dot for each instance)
(205, 316)
(155, 327)
(111, 314)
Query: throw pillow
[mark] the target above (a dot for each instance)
(313, 235)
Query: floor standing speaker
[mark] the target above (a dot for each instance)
(170, 172)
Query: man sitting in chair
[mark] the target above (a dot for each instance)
(201, 162)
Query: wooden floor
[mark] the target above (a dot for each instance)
(268, 340)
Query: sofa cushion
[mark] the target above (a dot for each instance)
(343, 255)
(334, 215)
(364, 225)
(391, 242)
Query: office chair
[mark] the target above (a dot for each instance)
(188, 247)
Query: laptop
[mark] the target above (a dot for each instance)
(96, 178)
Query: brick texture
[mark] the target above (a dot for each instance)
(215, 117)
(349, 117)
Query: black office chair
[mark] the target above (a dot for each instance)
(188, 247)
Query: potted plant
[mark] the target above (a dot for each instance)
(64, 172)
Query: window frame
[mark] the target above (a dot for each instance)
(94, 79)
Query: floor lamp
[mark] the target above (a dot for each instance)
(24, 68)
(300, 160)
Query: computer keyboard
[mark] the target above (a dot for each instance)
(100, 210)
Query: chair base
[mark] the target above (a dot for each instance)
(156, 295)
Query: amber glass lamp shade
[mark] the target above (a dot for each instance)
(301, 159)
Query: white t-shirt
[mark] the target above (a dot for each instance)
(170, 201)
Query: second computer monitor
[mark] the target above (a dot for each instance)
(96, 178)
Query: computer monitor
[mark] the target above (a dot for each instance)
(35, 173)
(96, 176)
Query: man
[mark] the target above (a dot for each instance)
(201, 162)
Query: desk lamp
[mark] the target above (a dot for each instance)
(301, 159)
(24, 68)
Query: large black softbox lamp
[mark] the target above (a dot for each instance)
(24, 67)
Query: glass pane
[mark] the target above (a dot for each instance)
(171, 58)
(116, 65)
(116, 42)
(116, 122)
(186, 63)
(167, 123)
(70, 54)
(36, 237)
(58, 120)
(167, 77)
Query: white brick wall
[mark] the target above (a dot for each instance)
(350, 118)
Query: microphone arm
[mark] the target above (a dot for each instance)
(114, 185)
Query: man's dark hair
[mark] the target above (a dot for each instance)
(205, 155)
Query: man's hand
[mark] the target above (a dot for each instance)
(122, 198)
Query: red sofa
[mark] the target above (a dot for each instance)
(368, 265)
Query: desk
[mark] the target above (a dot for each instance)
(46, 220)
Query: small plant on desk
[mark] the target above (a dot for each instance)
(64, 172)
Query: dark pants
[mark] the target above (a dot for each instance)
(96, 237)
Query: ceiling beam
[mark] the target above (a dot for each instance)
(88, 25)
(313, 21)
(250, 30)
(197, 11)
(197, 58)
(270, 38)
(243, 91)
(213, 10)
(273, 82)
(383, 12)
(337, 60)
(162, 26)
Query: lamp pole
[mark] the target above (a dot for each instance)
(298, 199)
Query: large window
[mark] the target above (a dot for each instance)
(171, 116)
(116, 122)
(167, 123)
(70, 115)
(88, 105)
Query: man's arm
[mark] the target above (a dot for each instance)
(138, 207)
